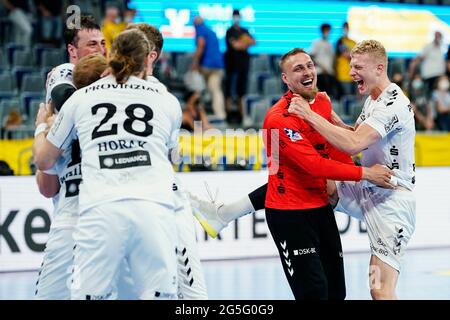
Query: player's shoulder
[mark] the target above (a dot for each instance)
(173, 100)
(396, 99)
(59, 74)
(278, 116)
(63, 70)
(323, 95)
(155, 81)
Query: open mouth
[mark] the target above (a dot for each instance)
(307, 83)
(360, 84)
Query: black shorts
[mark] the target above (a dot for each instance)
(310, 250)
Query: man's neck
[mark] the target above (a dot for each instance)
(379, 88)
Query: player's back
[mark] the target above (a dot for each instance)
(125, 133)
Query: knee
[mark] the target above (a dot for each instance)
(382, 294)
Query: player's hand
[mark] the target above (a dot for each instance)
(333, 197)
(379, 175)
(42, 114)
(51, 120)
(300, 107)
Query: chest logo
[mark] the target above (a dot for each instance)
(293, 135)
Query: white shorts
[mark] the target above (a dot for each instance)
(191, 281)
(389, 215)
(143, 233)
(55, 273)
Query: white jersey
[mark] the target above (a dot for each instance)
(156, 83)
(61, 74)
(125, 133)
(392, 117)
(68, 166)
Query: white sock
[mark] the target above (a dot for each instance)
(235, 210)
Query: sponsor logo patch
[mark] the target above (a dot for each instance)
(293, 135)
(388, 127)
(125, 160)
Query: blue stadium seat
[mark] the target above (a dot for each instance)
(27, 98)
(7, 83)
(18, 72)
(33, 108)
(272, 86)
(4, 65)
(38, 49)
(260, 64)
(22, 58)
(11, 48)
(51, 58)
(33, 82)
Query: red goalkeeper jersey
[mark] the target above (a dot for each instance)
(300, 159)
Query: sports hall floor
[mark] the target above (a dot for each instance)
(425, 275)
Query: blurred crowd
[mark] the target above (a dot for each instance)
(220, 89)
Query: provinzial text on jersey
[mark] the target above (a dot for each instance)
(127, 86)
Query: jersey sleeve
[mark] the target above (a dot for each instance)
(60, 75)
(299, 152)
(384, 119)
(62, 131)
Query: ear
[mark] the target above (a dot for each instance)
(283, 77)
(153, 56)
(72, 52)
(381, 68)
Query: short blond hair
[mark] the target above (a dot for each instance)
(372, 47)
(88, 70)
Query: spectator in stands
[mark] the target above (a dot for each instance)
(342, 65)
(209, 61)
(397, 78)
(322, 53)
(432, 63)
(237, 62)
(50, 21)
(13, 120)
(112, 25)
(193, 112)
(423, 111)
(441, 100)
(19, 14)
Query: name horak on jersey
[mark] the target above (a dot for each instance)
(120, 144)
(127, 86)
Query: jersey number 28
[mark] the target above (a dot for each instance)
(128, 124)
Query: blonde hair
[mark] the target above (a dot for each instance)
(88, 70)
(372, 47)
(128, 54)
